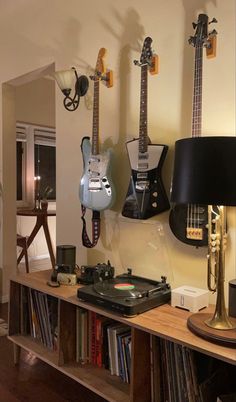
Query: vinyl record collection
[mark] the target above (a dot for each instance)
(39, 316)
(103, 342)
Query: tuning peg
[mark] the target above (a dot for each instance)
(149, 63)
(136, 63)
(194, 25)
(214, 20)
(191, 40)
(213, 33)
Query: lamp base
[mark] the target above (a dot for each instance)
(196, 324)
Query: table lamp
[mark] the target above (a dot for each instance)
(205, 173)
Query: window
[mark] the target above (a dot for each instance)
(36, 156)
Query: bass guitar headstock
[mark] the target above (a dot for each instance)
(202, 37)
(101, 73)
(148, 58)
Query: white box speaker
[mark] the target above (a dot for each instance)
(189, 298)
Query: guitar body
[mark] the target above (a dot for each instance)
(197, 235)
(96, 189)
(146, 194)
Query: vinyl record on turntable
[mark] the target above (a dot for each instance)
(121, 288)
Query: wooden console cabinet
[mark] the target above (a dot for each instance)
(164, 322)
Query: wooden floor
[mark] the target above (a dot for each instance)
(34, 380)
(35, 265)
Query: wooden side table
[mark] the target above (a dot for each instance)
(41, 221)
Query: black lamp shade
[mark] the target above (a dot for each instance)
(205, 171)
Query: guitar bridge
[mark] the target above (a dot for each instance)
(94, 184)
(194, 233)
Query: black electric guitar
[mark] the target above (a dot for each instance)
(189, 222)
(146, 194)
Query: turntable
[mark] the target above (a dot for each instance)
(127, 294)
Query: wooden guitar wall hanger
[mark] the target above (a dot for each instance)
(189, 222)
(96, 190)
(146, 194)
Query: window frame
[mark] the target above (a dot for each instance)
(27, 134)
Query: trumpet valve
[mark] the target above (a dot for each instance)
(194, 233)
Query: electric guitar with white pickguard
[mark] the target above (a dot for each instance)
(189, 222)
(146, 194)
(96, 189)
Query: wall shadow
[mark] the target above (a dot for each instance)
(129, 38)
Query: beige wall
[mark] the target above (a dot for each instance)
(70, 34)
(35, 102)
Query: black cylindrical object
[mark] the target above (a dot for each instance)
(205, 171)
(66, 256)
(232, 298)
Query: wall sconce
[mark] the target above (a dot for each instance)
(65, 80)
(205, 173)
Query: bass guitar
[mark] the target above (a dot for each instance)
(189, 222)
(96, 189)
(146, 194)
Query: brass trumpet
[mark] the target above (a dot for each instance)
(216, 266)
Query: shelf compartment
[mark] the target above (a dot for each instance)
(96, 379)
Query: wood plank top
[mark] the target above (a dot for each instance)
(35, 212)
(165, 321)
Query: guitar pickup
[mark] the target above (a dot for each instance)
(143, 156)
(143, 166)
(194, 233)
(94, 159)
(142, 175)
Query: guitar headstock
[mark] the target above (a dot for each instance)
(146, 54)
(203, 38)
(100, 68)
(101, 73)
(147, 57)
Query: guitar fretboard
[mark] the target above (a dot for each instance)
(197, 94)
(143, 137)
(95, 135)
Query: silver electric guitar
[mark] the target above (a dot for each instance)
(96, 189)
(146, 194)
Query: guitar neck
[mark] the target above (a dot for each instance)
(95, 135)
(143, 137)
(197, 93)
